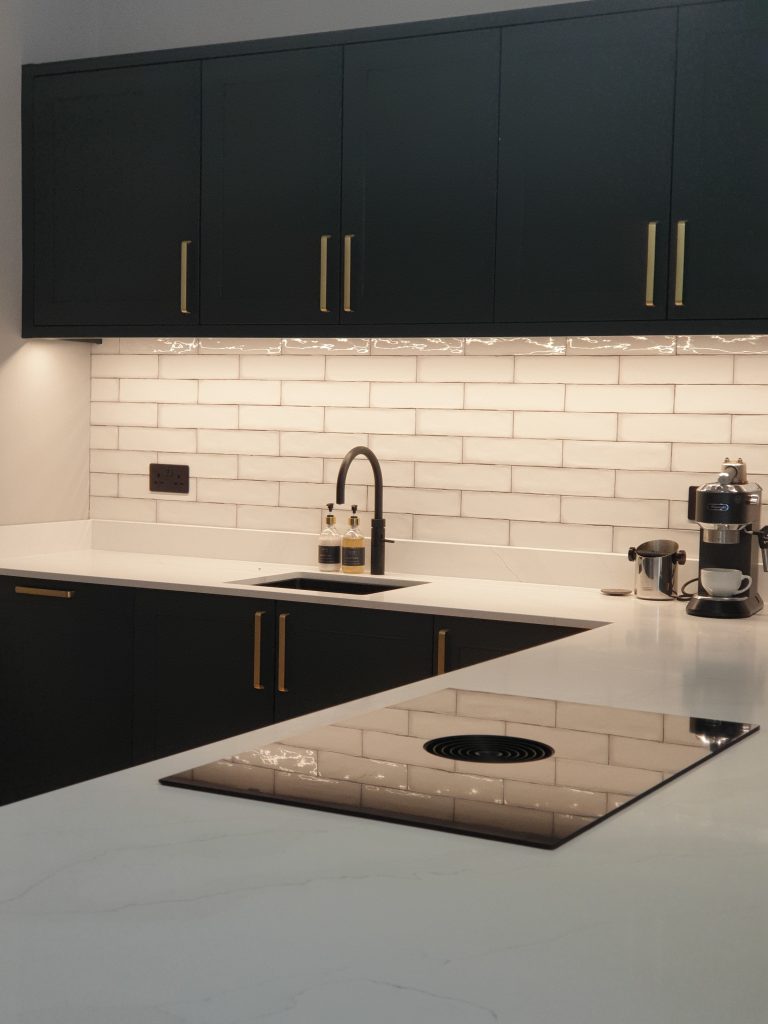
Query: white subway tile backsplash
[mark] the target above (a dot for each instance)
(239, 392)
(514, 396)
(625, 537)
(481, 440)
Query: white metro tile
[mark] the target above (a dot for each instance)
(521, 346)
(416, 396)
(461, 530)
(275, 417)
(130, 486)
(284, 367)
(714, 398)
(482, 368)
(417, 346)
(663, 370)
(428, 449)
(533, 479)
(514, 396)
(103, 389)
(492, 505)
(660, 427)
(320, 445)
(751, 429)
(586, 426)
(707, 458)
(239, 442)
(614, 511)
(158, 346)
(588, 370)
(464, 422)
(223, 417)
(222, 467)
(135, 510)
(124, 414)
(423, 501)
(107, 346)
(657, 485)
(730, 344)
(464, 477)
(513, 451)
(623, 344)
(308, 495)
(619, 398)
(122, 462)
(270, 517)
(560, 536)
(240, 392)
(187, 367)
(237, 492)
(156, 390)
(326, 393)
(617, 454)
(123, 366)
(327, 346)
(264, 467)
(748, 369)
(396, 474)
(626, 537)
(373, 421)
(271, 346)
(366, 368)
(103, 485)
(148, 439)
(103, 437)
(196, 513)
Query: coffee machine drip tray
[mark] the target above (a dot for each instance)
(492, 765)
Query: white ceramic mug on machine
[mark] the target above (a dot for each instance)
(725, 582)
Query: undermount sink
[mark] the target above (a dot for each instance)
(330, 584)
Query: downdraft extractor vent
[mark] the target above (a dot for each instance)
(488, 749)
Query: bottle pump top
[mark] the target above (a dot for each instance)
(353, 519)
(330, 518)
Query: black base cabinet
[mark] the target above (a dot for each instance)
(463, 642)
(327, 654)
(204, 670)
(66, 680)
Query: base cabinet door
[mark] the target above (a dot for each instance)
(329, 655)
(65, 684)
(204, 669)
(463, 642)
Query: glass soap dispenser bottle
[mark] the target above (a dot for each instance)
(353, 546)
(329, 544)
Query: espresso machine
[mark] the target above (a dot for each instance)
(730, 543)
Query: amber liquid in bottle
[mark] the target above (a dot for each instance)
(353, 546)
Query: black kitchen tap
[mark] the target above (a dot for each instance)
(378, 540)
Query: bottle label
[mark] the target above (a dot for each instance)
(353, 556)
(329, 554)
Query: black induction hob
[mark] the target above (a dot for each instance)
(498, 766)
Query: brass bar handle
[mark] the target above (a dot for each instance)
(442, 638)
(257, 683)
(281, 653)
(650, 263)
(324, 273)
(44, 592)
(348, 273)
(184, 276)
(680, 263)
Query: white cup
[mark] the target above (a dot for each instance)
(725, 582)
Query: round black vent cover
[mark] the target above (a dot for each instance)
(488, 749)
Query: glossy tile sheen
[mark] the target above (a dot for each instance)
(594, 759)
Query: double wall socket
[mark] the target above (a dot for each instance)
(168, 478)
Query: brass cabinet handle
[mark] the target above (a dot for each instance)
(650, 263)
(281, 653)
(442, 637)
(348, 273)
(184, 275)
(680, 262)
(324, 273)
(257, 683)
(43, 592)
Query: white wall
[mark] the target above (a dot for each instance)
(126, 25)
(44, 386)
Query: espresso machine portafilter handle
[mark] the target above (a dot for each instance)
(762, 540)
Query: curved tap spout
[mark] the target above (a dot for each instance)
(378, 538)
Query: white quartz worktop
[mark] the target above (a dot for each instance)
(124, 902)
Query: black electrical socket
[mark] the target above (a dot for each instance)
(171, 479)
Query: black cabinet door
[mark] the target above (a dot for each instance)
(328, 654)
(720, 266)
(114, 171)
(419, 172)
(463, 642)
(270, 187)
(584, 168)
(66, 675)
(204, 670)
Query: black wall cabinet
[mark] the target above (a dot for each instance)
(66, 680)
(204, 670)
(112, 170)
(589, 168)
